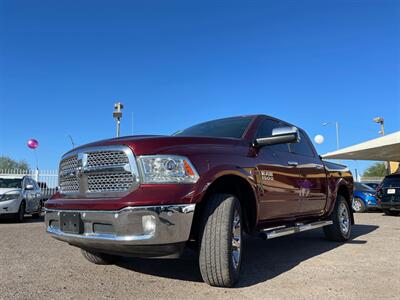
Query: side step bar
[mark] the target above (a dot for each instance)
(299, 227)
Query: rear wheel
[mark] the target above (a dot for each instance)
(358, 205)
(221, 241)
(100, 258)
(391, 213)
(38, 214)
(340, 230)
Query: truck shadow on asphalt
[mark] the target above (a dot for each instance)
(27, 219)
(262, 260)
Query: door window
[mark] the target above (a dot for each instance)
(265, 130)
(303, 147)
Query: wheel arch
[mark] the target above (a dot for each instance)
(230, 183)
(343, 191)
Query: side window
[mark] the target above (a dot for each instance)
(303, 147)
(265, 130)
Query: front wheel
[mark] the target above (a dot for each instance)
(340, 230)
(20, 215)
(221, 241)
(358, 205)
(99, 258)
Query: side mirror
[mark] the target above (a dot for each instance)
(29, 187)
(280, 135)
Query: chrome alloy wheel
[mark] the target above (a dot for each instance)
(356, 205)
(236, 239)
(344, 218)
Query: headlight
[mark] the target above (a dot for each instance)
(167, 169)
(368, 194)
(9, 196)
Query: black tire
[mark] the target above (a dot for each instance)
(337, 231)
(20, 215)
(219, 260)
(100, 258)
(391, 213)
(359, 205)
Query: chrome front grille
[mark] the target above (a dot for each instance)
(107, 182)
(68, 179)
(98, 171)
(106, 158)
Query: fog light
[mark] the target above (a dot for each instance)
(149, 225)
(369, 202)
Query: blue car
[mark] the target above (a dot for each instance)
(364, 198)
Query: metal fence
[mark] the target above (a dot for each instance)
(46, 179)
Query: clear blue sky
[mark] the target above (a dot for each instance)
(63, 64)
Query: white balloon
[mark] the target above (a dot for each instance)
(319, 139)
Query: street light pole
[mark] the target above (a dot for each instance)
(117, 114)
(337, 132)
(381, 121)
(337, 135)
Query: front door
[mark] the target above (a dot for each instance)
(277, 177)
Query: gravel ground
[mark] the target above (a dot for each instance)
(302, 266)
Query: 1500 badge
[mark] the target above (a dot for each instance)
(267, 175)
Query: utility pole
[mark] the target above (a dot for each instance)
(117, 114)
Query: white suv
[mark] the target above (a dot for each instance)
(19, 195)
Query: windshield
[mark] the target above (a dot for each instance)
(362, 186)
(10, 183)
(229, 128)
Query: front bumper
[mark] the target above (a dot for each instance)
(10, 206)
(150, 231)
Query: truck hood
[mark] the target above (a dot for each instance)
(151, 144)
(6, 190)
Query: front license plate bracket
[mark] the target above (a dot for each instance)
(71, 222)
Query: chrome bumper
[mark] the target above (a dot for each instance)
(120, 231)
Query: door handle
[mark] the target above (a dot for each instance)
(319, 167)
(293, 163)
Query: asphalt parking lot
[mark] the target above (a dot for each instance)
(303, 266)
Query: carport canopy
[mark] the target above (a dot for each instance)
(385, 148)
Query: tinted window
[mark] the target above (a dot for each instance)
(391, 181)
(10, 183)
(362, 187)
(28, 181)
(303, 147)
(265, 130)
(230, 128)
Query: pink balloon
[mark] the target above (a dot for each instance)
(33, 144)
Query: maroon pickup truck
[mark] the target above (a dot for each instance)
(203, 187)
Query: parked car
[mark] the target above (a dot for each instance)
(203, 187)
(364, 198)
(19, 195)
(389, 194)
